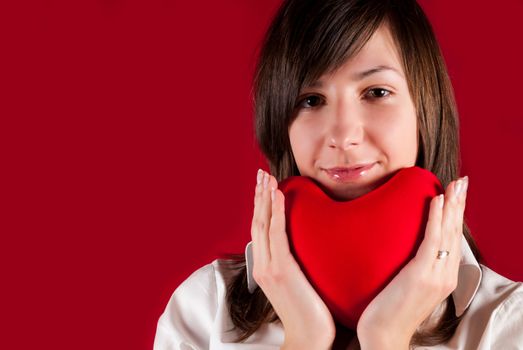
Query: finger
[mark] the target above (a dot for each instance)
(452, 230)
(428, 248)
(455, 224)
(265, 204)
(448, 227)
(461, 208)
(278, 241)
(460, 212)
(260, 227)
(259, 178)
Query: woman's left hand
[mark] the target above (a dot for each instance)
(392, 317)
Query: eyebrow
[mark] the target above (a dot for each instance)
(363, 74)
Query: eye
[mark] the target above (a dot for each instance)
(378, 93)
(310, 101)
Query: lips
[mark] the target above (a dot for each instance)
(344, 174)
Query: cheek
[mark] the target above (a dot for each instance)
(398, 136)
(303, 138)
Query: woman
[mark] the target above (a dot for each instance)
(340, 83)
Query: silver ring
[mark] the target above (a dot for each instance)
(442, 254)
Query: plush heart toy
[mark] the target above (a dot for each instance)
(350, 250)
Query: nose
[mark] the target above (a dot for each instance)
(347, 129)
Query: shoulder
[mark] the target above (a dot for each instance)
(495, 293)
(205, 286)
(200, 278)
(497, 288)
(189, 317)
(508, 298)
(207, 282)
(499, 306)
(199, 287)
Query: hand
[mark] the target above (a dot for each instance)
(414, 293)
(306, 319)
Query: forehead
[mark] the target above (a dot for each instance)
(379, 50)
(379, 55)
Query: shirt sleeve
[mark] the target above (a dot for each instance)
(187, 321)
(508, 324)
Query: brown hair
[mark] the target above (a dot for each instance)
(308, 38)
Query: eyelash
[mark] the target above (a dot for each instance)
(388, 92)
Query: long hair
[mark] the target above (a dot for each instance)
(308, 38)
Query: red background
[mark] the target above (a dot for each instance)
(129, 160)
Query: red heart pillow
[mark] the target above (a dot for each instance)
(350, 250)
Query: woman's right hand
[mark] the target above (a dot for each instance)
(307, 322)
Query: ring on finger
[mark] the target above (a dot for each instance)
(442, 254)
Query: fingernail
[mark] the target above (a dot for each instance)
(259, 176)
(441, 201)
(458, 187)
(272, 194)
(465, 184)
(265, 180)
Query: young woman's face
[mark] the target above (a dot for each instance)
(360, 115)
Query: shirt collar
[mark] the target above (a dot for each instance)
(469, 278)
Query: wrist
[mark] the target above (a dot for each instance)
(381, 341)
(295, 346)
(321, 340)
(305, 344)
(383, 345)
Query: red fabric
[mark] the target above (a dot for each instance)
(351, 250)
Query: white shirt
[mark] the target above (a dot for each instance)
(196, 316)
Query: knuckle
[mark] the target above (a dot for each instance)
(277, 273)
(271, 274)
(255, 223)
(258, 224)
(452, 200)
(432, 236)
